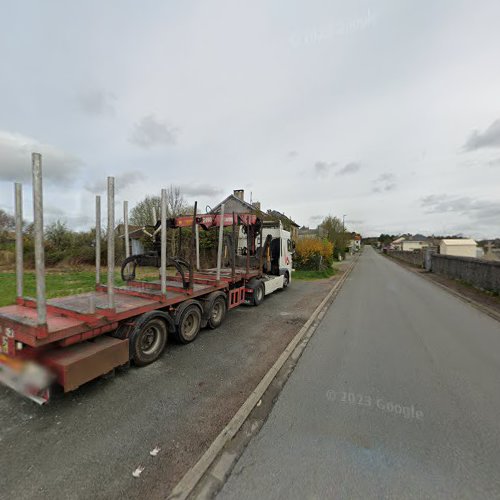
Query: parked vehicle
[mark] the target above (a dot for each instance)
(71, 340)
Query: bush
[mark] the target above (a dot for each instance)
(313, 254)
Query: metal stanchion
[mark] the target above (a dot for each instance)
(41, 304)
(98, 240)
(221, 235)
(19, 238)
(111, 242)
(163, 258)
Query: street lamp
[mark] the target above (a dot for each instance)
(343, 223)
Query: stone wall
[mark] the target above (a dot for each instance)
(479, 273)
(415, 258)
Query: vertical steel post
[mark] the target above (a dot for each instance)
(221, 235)
(18, 189)
(163, 258)
(235, 248)
(111, 242)
(197, 236)
(249, 244)
(155, 220)
(92, 303)
(125, 227)
(41, 304)
(193, 247)
(98, 240)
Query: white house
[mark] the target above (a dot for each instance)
(459, 248)
(411, 245)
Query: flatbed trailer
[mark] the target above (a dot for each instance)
(74, 339)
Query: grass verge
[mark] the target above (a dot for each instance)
(59, 283)
(313, 275)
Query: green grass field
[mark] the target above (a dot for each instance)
(57, 284)
(60, 283)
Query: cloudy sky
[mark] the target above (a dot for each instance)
(387, 111)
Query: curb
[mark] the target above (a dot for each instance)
(190, 480)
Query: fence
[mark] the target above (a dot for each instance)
(481, 274)
(415, 258)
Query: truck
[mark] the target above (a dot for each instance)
(68, 341)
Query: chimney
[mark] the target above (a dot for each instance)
(240, 194)
(256, 205)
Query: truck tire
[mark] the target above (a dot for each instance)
(148, 341)
(259, 293)
(286, 280)
(188, 322)
(217, 312)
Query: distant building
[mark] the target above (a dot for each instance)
(236, 203)
(306, 232)
(410, 243)
(288, 224)
(460, 247)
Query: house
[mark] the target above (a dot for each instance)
(305, 233)
(410, 243)
(460, 247)
(236, 203)
(288, 224)
(135, 235)
(355, 242)
(397, 244)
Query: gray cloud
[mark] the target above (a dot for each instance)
(121, 181)
(150, 131)
(490, 138)
(316, 218)
(384, 182)
(493, 163)
(463, 205)
(58, 166)
(96, 102)
(349, 168)
(323, 168)
(200, 190)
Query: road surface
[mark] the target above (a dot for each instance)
(88, 443)
(396, 396)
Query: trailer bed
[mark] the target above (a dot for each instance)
(70, 320)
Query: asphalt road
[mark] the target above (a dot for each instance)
(396, 396)
(88, 443)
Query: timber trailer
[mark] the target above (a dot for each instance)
(71, 340)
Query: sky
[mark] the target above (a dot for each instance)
(387, 112)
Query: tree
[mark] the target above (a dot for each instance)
(142, 213)
(7, 224)
(333, 230)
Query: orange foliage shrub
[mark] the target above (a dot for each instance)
(313, 253)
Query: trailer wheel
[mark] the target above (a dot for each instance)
(189, 324)
(217, 312)
(258, 294)
(148, 343)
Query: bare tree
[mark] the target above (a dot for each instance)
(142, 213)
